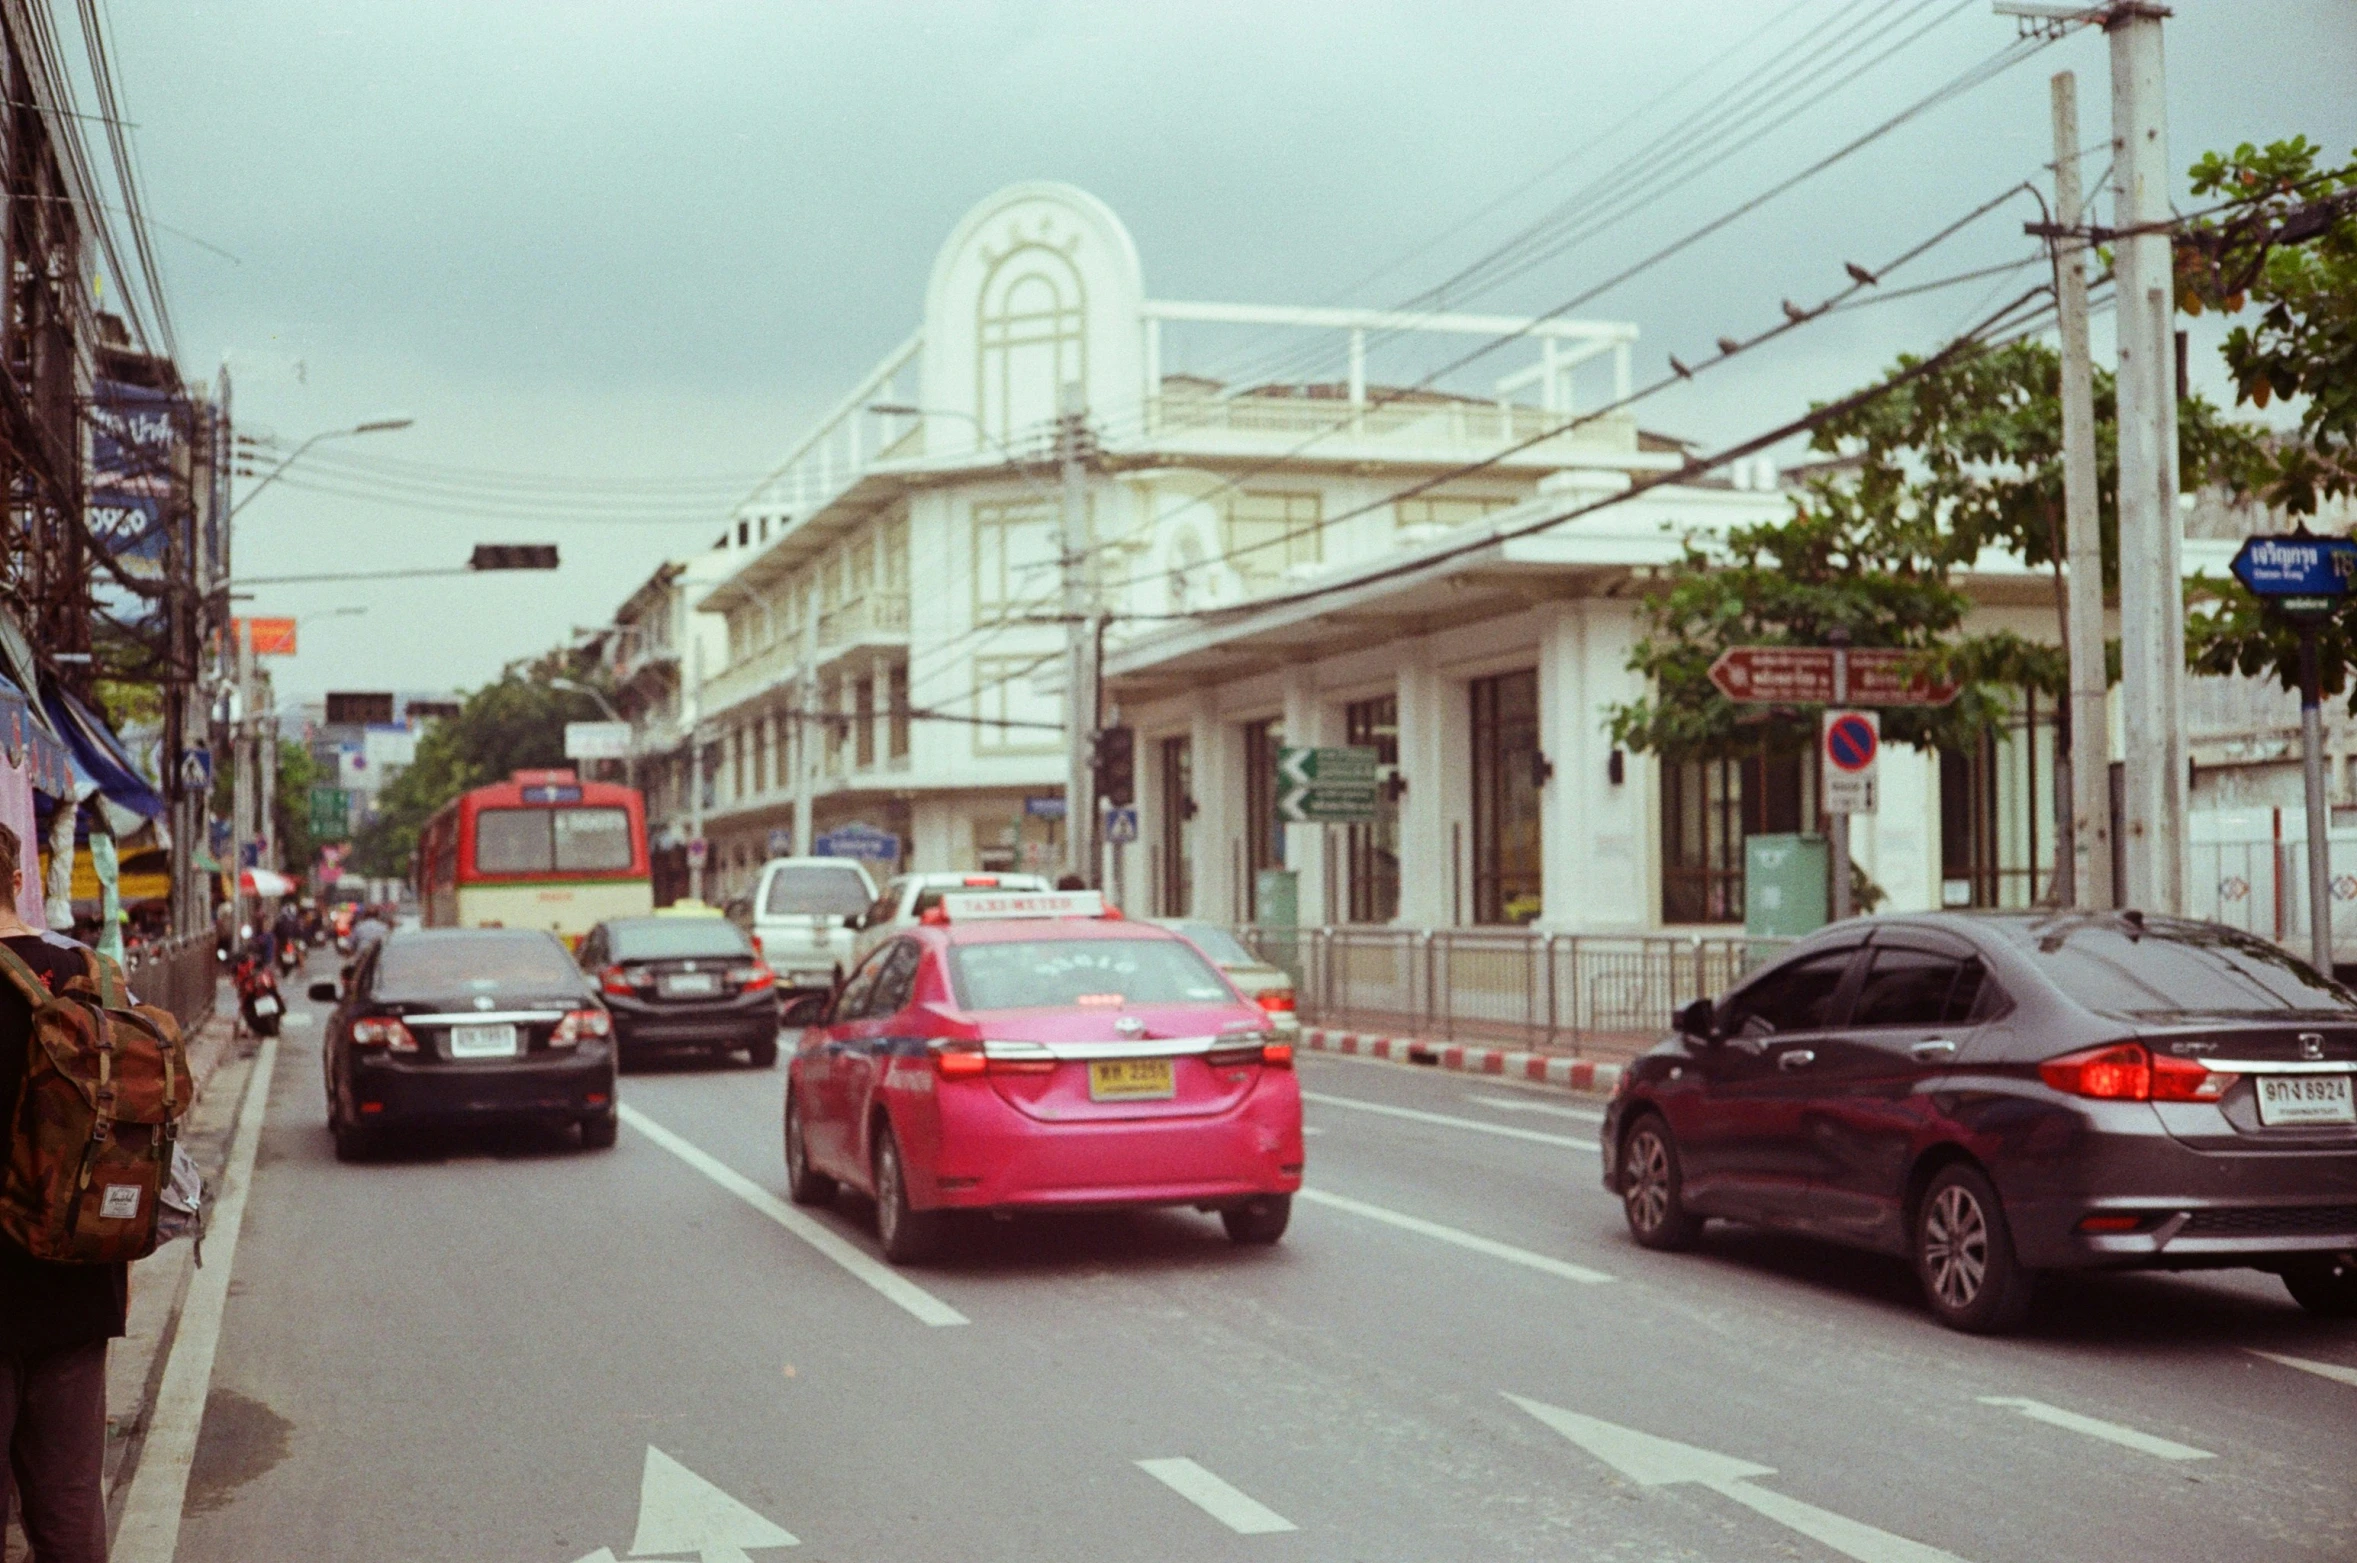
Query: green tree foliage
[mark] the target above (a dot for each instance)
(291, 806)
(515, 724)
(2286, 247)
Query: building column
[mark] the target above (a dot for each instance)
(1306, 727)
(1220, 821)
(1424, 761)
(1615, 870)
(1898, 847)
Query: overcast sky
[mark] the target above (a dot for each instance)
(641, 245)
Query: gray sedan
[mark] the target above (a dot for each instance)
(1269, 986)
(1995, 1095)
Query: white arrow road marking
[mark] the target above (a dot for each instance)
(1507, 1104)
(1433, 1229)
(679, 1511)
(2330, 1370)
(1418, 1115)
(150, 1527)
(862, 1265)
(1240, 1513)
(1650, 1461)
(2112, 1432)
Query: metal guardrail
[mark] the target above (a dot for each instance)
(1550, 989)
(179, 974)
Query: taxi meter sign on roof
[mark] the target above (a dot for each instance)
(963, 906)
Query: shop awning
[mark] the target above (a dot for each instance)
(28, 740)
(99, 758)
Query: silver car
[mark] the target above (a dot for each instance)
(1268, 985)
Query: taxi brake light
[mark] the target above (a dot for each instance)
(958, 1060)
(1277, 1055)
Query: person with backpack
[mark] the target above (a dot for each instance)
(92, 1089)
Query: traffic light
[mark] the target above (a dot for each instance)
(514, 556)
(1117, 766)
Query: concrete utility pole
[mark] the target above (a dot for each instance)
(2319, 816)
(693, 710)
(2090, 856)
(1837, 825)
(2152, 599)
(1080, 671)
(241, 759)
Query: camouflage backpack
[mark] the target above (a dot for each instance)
(106, 1084)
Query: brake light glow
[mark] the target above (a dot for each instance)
(2132, 1072)
(581, 1023)
(959, 1060)
(385, 1031)
(615, 980)
(1277, 1055)
(1277, 1001)
(753, 978)
(2110, 1223)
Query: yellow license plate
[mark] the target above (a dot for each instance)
(1130, 1079)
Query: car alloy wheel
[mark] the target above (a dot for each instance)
(1650, 1188)
(1964, 1254)
(1956, 1247)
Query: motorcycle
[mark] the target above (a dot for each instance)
(257, 996)
(290, 956)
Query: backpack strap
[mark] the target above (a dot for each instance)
(13, 966)
(106, 977)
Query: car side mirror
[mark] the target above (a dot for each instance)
(808, 1010)
(1699, 1019)
(323, 993)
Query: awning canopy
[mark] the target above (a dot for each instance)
(99, 758)
(28, 741)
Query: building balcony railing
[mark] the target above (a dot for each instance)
(755, 674)
(879, 618)
(1453, 428)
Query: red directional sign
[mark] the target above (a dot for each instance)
(1803, 676)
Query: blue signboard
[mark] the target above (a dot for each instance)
(2297, 566)
(1121, 824)
(1050, 807)
(859, 841)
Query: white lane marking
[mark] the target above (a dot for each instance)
(1652, 1461)
(2094, 1427)
(1507, 1104)
(1418, 1115)
(2331, 1370)
(863, 1266)
(1238, 1512)
(1461, 1239)
(150, 1528)
(679, 1511)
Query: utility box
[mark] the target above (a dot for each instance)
(1785, 885)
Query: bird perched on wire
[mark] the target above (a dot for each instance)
(1681, 370)
(1729, 345)
(1859, 274)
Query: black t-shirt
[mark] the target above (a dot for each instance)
(43, 1305)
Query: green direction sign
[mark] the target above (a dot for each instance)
(331, 813)
(1326, 786)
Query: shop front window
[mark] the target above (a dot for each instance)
(1175, 889)
(1264, 833)
(1997, 811)
(1708, 807)
(1506, 885)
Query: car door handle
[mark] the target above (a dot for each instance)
(1933, 1052)
(1795, 1058)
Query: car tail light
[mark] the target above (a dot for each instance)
(1277, 1055)
(753, 978)
(615, 980)
(1260, 1049)
(757, 947)
(385, 1031)
(581, 1023)
(2110, 1223)
(959, 1060)
(2132, 1072)
(1277, 1001)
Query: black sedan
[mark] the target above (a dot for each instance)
(448, 1026)
(1995, 1095)
(684, 982)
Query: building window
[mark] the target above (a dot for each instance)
(1264, 833)
(1018, 566)
(1708, 808)
(1011, 715)
(1176, 765)
(1031, 330)
(1445, 510)
(863, 706)
(761, 755)
(1269, 532)
(1374, 848)
(1997, 812)
(897, 699)
(1506, 886)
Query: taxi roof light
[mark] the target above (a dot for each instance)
(969, 907)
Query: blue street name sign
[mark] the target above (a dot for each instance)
(2297, 566)
(859, 841)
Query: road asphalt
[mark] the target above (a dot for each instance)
(499, 1347)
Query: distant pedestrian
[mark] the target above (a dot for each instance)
(55, 1319)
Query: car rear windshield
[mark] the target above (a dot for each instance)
(434, 966)
(1221, 945)
(552, 841)
(677, 936)
(805, 890)
(1082, 973)
(2115, 971)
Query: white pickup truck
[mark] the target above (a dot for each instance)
(802, 910)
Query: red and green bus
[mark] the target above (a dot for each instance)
(543, 849)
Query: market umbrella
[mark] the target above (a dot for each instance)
(263, 882)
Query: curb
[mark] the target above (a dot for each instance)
(1571, 1074)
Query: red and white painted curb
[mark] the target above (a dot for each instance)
(1573, 1074)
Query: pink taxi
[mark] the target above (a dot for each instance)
(1038, 1051)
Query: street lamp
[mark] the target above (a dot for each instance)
(372, 426)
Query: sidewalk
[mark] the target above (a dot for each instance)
(1538, 1066)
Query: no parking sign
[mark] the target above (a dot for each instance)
(1851, 743)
